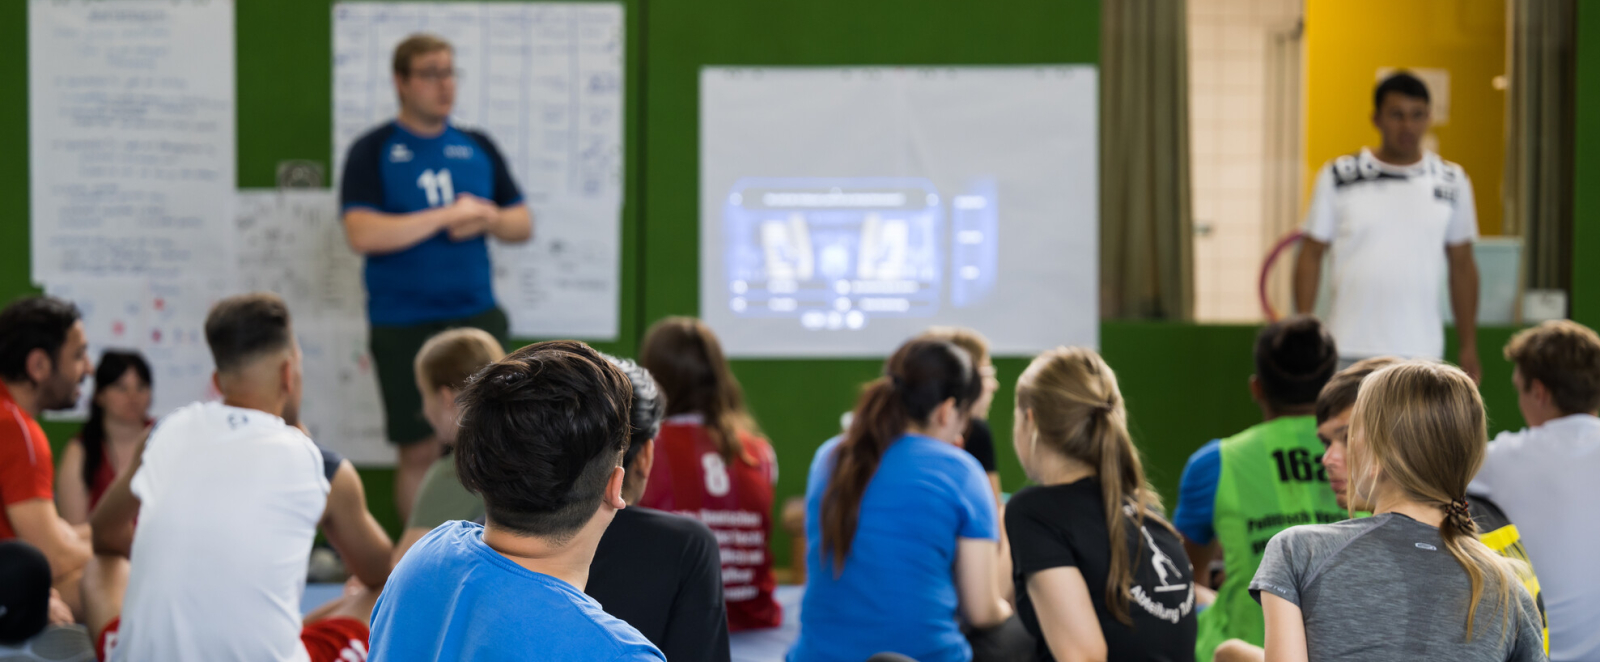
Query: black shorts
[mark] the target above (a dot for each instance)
(394, 354)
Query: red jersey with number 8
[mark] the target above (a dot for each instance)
(731, 496)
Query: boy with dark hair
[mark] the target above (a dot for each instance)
(44, 357)
(228, 497)
(1236, 493)
(1544, 475)
(1394, 220)
(660, 572)
(542, 438)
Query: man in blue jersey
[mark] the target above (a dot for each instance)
(420, 199)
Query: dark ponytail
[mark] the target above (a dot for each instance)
(113, 365)
(920, 376)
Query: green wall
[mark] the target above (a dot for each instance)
(1184, 383)
(1586, 170)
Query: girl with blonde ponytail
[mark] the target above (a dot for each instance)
(1413, 580)
(1099, 573)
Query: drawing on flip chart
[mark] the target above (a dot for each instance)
(292, 243)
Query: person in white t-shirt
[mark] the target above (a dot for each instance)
(1545, 477)
(228, 497)
(1395, 221)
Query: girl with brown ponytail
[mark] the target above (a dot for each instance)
(900, 522)
(1412, 581)
(1099, 573)
(712, 464)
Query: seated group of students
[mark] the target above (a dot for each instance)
(1403, 442)
(225, 508)
(910, 554)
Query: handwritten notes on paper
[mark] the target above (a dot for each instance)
(131, 137)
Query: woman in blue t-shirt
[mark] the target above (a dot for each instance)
(901, 524)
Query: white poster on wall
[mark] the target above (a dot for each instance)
(163, 319)
(544, 81)
(131, 137)
(845, 209)
(292, 243)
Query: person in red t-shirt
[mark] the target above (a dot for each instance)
(119, 417)
(713, 465)
(44, 357)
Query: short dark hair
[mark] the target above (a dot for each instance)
(1341, 391)
(541, 431)
(24, 591)
(30, 323)
(1565, 357)
(648, 406)
(1402, 83)
(244, 327)
(1294, 358)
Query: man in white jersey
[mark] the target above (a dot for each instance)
(1544, 477)
(228, 497)
(1395, 221)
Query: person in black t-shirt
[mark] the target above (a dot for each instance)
(1099, 573)
(662, 573)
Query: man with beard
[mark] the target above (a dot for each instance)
(44, 356)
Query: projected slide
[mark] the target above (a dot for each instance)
(844, 209)
(841, 253)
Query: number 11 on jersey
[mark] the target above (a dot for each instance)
(437, 186)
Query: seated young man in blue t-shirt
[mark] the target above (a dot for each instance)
(542, 436)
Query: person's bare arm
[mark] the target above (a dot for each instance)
(408, 537)
(1464, 304)
(72, 495)
(1066, 615)
(1008, 588)
(371, 232)
(1308, 274)
(977, 585)
(37, 523)
(353, 531)
(112, 521)
(1238, 650)
(513, 224)
(1286, 629)
(1200, 557)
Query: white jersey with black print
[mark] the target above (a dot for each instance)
(1388, 227)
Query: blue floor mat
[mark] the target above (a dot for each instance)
(771, 645)
(317, 595)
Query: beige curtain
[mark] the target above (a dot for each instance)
(1539, 127)
(1146, 243)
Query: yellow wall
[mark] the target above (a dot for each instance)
(1347, 41)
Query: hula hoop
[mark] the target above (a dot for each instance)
(1266, 268)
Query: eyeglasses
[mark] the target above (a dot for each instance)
(437, 75)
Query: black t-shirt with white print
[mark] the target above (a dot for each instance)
(1065, 526)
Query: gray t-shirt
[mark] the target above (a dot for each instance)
(1385, 588)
